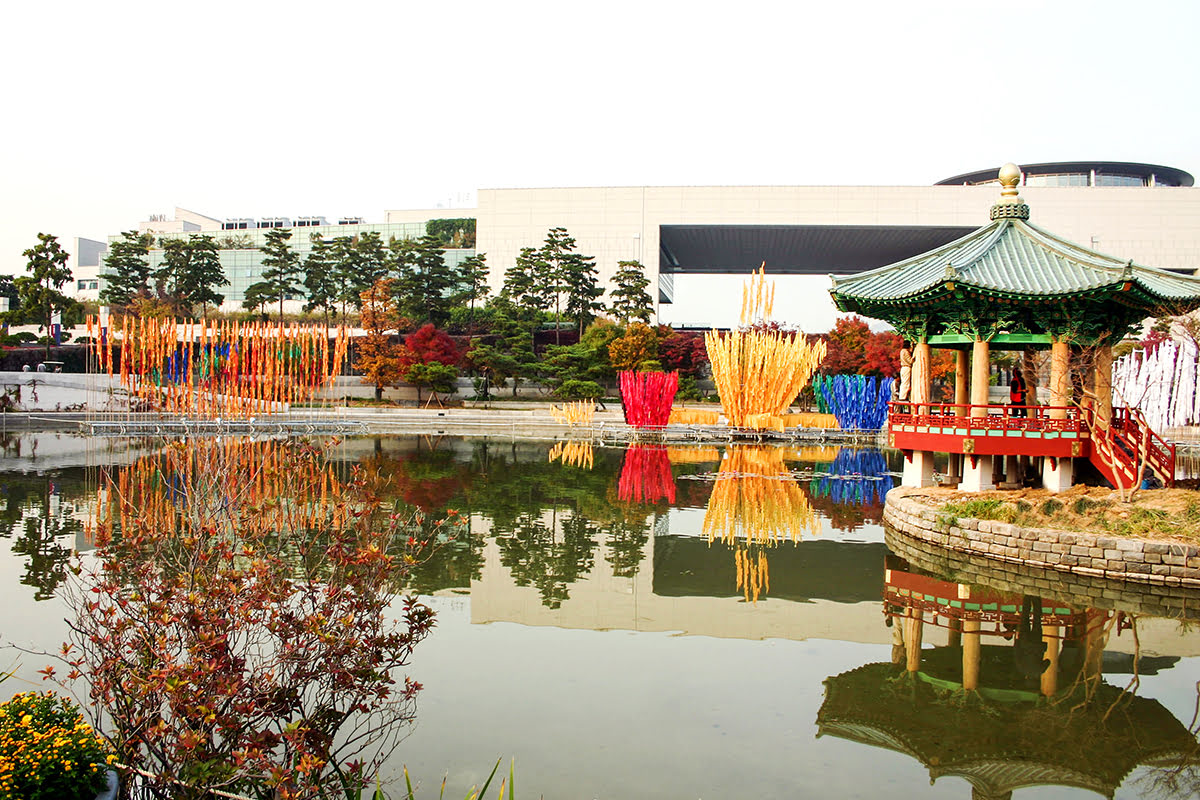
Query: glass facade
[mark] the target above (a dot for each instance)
(241, 257)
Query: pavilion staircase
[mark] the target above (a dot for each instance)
(1120, 448)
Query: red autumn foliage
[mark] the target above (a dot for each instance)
(429, 344)
(684, 352)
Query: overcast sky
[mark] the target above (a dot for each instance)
(114, 111)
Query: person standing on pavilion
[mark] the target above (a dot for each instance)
(1017, 391)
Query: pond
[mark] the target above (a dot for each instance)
(702, 622)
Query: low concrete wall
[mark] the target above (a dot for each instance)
(1112, 557)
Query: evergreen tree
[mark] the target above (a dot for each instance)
(582, 287)
(372, 258)
(202, 274)
(472, 280)
(40, 291)
(171, 271)
(555, 253)
(425, 283)
(282, 264)
(630, 300)
(127, 268)
(344, 263)
(320, 277)
(257, 296)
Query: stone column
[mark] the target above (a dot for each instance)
(1102, 372)
(1060, 378)
(972, 649)
(980, 376)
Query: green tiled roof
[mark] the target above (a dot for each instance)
(1011, 257)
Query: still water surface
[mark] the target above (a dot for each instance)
(702, 622)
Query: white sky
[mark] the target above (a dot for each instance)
(114, 111)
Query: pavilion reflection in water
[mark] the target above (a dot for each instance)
(1015, 698)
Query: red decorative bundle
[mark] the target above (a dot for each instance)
(647, 396)
(646, 475)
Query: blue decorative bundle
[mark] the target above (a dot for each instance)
(858, 402)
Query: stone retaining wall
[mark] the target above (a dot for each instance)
(1094, 555)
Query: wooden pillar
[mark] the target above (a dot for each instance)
(962, 376)
(1102, 372)
(1060, 378)
(920, 373)
(1050, 675)
(954, 633)
(913, 625)
(972, 650)
(980, 377)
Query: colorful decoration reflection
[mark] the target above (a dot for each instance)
(268, 486)
(753, 574)
(646, 475)
(755, 499)
(573, 454)
(646, 397)
(224, 368)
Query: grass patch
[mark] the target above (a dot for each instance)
(984, 509)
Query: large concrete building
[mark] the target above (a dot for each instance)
(1147, 213)
(686, 236)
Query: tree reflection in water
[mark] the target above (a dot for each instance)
(237, 628)
(40, 522)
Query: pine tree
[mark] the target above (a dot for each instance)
(320, 277)
(40, 291)
(582, 287)
(171, 271)
(425, 283)
(282, 264)
(630, 301)
(127, 268)
(202, 274)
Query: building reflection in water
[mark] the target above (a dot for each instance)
(1015, 698)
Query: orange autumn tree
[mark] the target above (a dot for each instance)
(381, 360)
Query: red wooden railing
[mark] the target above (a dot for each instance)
(1119, 447)
(988, 417)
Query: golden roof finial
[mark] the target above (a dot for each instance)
(1010, 176)
(1010, 205)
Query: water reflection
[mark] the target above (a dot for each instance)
(1011, 696)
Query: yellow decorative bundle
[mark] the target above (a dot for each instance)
(759, 371)
(579, 412)
(694, 416)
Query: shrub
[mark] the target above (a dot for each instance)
(1051, 507)
(579, 390)
(48, 751)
